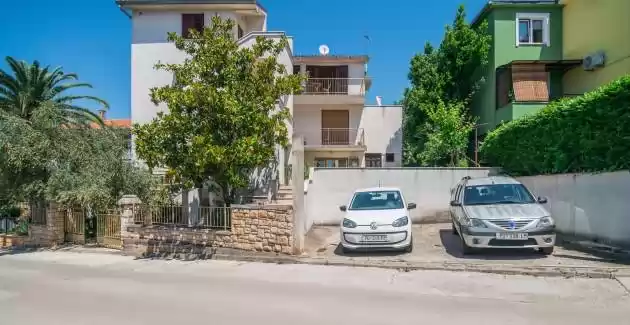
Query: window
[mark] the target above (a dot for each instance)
(240, 32)
(373, 160)
(532, 29)
(389, 157)
(497, 194)
(377, 200)
(191, 21)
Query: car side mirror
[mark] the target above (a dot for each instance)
(542, 200)
(411, 206)
(343, 208)
(455, 204)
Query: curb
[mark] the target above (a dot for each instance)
(502, 269)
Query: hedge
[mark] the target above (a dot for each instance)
(589, 133)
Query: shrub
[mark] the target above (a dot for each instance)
(582, 134)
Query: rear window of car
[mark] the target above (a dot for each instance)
(377, 200)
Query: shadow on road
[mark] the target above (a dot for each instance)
(371, 253)
(452, 246)
(593, 253)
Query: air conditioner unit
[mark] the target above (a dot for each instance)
(593, 61)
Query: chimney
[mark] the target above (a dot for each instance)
(101, 114)
(379, 100)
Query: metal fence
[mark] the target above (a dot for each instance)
(37, 214)
(181, 216)
(108, 228)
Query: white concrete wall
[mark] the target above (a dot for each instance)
(383, 131)
(356, 84)
(593, 206)
(429, 188)
(149, 45)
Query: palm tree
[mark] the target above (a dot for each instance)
(24, 90)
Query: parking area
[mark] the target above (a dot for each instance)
(436, 243)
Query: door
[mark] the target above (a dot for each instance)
(335, 127)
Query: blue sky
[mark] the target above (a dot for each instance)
(92, 38)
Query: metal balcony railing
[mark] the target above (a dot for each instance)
(342, 137)
(334, 86)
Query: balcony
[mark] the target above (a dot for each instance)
(334, 138)
(333, 91)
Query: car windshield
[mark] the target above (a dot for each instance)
(377, 200)
(497, 194)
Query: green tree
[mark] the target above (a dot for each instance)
(28, 86)
(42, 160)
(448, 129)
(222, 119)
(450, 74)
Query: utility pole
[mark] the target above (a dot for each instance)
(477, 143)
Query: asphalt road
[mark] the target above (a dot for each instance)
(96, 289)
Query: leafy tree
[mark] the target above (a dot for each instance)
(28, 86)
(448, 129)
(449, 75)
(223, 119)
(41, 159)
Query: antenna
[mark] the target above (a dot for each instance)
(323, 49)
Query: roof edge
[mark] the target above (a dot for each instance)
(493, 4)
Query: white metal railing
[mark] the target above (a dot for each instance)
(336, 137)
(334, 86)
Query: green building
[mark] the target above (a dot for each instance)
(526, 63)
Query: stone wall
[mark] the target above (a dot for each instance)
(254, 228)
(50, 234)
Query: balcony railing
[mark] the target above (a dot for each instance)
(336, 137)
(334, 86)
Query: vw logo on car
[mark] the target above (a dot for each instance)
(373, 226)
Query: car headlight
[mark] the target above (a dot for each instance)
(476, 223)
(545, 222)
(347, 223)
(401, 222)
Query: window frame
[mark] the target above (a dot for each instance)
(185, 32)
(531, 17)
(373, 158)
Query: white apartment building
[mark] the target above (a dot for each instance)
(338, 129)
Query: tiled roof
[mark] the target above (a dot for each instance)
(336, 58)
(119, 123)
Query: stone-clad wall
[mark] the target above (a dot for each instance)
(254, 228)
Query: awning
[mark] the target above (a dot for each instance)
(550, 65)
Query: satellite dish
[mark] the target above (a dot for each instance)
(324, 50)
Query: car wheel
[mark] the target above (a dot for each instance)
(546, 250)
(466, 250)
(345, 251)
(454, 228)
(409, 248)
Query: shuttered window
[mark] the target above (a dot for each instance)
(191, 21)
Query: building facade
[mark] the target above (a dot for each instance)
(338, 129)
(538, 51)
(592, 28)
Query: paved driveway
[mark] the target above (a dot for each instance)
(436, 243)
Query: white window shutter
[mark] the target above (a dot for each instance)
(547, 32)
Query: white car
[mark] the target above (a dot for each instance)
(377, 218)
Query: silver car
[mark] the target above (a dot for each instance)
(500, 212)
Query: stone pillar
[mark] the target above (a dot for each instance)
(127, 204)
(299, 208)
(55, 223)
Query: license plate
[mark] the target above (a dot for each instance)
(512, 236)
(373, 238)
